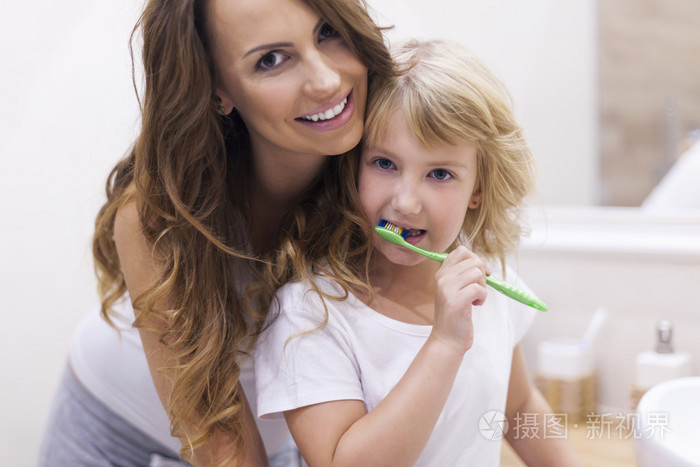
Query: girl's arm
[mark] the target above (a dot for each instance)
(139, 269)
(396, 431)
(525, 401)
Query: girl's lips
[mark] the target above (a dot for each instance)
(410, 234)
(415, 236)
(332, 123)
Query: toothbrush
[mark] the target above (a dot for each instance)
(395, 234)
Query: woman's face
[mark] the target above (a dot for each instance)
(296, 84)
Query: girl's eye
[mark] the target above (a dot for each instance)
(270, 60)
(384, 164)
(326, 32)
(441, 174)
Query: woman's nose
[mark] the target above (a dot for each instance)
(323, 77)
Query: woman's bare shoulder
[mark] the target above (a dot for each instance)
(126, 221)
(135, 251)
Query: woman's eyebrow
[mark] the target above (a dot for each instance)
(268, 46)
(275, 45)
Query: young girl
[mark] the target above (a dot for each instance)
(421, 368)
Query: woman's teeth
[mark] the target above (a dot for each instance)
(328, 114)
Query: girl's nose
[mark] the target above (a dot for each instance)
(406, 199)
(323, 77)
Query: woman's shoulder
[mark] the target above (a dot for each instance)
(137, 259)
(127, 224)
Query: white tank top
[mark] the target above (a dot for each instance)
(113, 367)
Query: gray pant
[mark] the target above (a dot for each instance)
(83, 432)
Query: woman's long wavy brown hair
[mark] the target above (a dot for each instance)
(187, 172)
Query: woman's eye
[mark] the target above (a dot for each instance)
(270, 60)
(441, 174)
(384, 164)
(326, 32)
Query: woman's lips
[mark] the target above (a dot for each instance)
(333, 123)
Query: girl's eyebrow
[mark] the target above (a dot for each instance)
(320, 23)
(275, 45)
(378, 148)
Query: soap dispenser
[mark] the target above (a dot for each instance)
(659, 365)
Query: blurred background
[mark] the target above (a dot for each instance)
(607, 91)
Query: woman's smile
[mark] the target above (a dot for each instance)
(335, 116)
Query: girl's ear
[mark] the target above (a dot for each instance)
(475, 199)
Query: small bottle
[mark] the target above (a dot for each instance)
(661, 364)
(567, 378)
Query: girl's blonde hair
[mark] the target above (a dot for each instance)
(189, 169)
(449, 96)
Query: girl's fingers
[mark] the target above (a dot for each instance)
(471, 294)
(459, 273)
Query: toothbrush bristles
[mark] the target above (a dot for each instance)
(399, 230)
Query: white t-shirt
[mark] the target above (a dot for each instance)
(361, 354)
(113, 367)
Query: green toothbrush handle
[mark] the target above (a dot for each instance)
(515, 293)
(440, 257)
(500, 285)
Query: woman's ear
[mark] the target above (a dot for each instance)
(224, 105)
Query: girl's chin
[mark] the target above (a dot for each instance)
(401, 257)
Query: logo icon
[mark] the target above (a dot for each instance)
(493, 425)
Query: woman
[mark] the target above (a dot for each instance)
(244, 100)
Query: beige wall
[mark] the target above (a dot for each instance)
(650, 91)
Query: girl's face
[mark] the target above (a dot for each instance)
(296, 84)
(424, 189)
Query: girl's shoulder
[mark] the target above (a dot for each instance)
(315, 291)
(520, 316)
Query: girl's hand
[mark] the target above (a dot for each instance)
(459, 283)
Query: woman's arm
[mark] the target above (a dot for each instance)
(396, 431)
(525, 399)
(140, 268)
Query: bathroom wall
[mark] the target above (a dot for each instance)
(546, 51)
(67, 114)
(641, 266)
